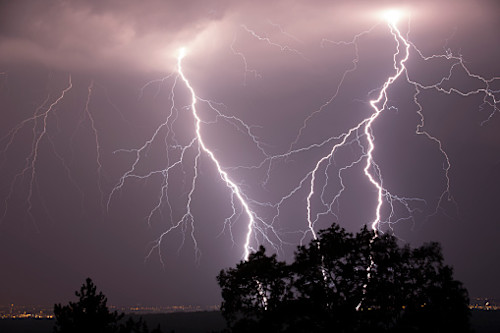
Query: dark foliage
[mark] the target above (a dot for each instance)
(255, 292)
(346, 283)
(91, 314)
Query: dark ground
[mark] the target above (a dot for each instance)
(486, 321)
(203, 322)
(180, 322)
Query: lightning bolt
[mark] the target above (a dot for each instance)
(362, 132)
(96, 138)
(198, 144)
(41, 123)
(87, 115)
(39, 119)
(223, 175)
(365, 126)
(265, 39)
(382, 99)
(313, 184)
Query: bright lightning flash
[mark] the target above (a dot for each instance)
(235, 190)
(255, 225)
(392, 16)
(361, 135)
(382, 100)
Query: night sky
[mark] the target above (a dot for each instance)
(99, 153)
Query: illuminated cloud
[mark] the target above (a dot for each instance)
(131, 35)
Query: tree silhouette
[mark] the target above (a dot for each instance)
(91, 314)
(254, 292)
(346, 283)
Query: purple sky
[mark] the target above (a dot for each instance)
(269, 70)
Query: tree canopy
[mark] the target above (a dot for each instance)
(345, 282)
(91, 314)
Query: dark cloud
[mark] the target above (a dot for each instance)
(88, 34)
(130, 35)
